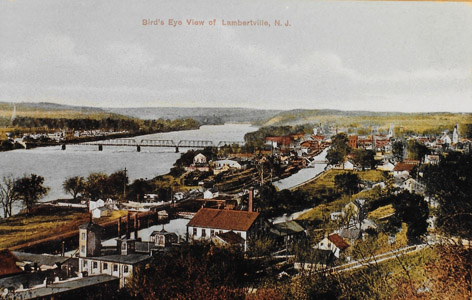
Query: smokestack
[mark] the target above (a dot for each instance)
(128, 220)
(249, 208)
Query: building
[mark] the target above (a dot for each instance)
(333, 243)
(402, 168)
(163, 238)
(208, 222)
(353, 140)
(228, 239)
(120, 265)
(287, 232)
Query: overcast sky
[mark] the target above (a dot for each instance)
(381, 56)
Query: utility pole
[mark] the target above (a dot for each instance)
(124, 185)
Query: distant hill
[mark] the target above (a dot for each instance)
(417, 122)
(48, 106)
(204, 115)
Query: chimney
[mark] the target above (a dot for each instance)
(249, 208)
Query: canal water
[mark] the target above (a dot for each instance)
(55, 165)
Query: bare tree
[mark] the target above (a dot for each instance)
(8, 195)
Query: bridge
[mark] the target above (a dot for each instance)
(200, 144)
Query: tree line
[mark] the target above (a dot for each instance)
(115, 124)
(29, 189)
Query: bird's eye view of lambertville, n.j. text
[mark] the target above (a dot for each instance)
(248, 150)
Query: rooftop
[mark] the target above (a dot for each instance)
(224, 219)
(124, 259)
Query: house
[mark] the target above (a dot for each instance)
(413, 186)
(353, 140)
(402, 168)
(99, 212)
(431, 159)
(210, 194)
(199, 164)
(92, 262)
(228, 239)
(208, 222)
(163, 238)
(227, 163)
(287, 232)
(387, 166)
(333, 243)
(38, 286)
(32, 262)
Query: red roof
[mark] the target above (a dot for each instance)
(224, 219)
(403, 167)
(8, 263)
(338, 241)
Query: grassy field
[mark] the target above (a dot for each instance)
(20, 228)
(326, 182)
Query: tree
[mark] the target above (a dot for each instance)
(450, 183)
(8, 195)
(117, 182)
(74, 186)
(398, 150)
(417, 150)
(347, 183)
(30, 189)
(191, 272)
(364, 158)
(97, 186)
(339, 149)
(413, 210)
(138, 188)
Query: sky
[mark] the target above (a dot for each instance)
(349, 55)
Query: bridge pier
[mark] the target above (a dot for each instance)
(100, 147)
(63, 147)
(138, 148)
(176, 149)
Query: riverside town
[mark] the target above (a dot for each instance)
(270, 205)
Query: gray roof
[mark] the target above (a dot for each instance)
(288, 227)
(40, 259)
(57, 288)
(124, 259)
(25, 279)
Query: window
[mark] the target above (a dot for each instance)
(85, 263)
(82, 249)
(95, 265)
(115, 268)
(105, 266)
(195, 231)
(204, 232)
(125, 269)
(212, 232)
(83, 236)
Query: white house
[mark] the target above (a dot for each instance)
(199, 159)
(208, 222)
(333, 243)
(227, 163)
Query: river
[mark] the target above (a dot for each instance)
(55, 165)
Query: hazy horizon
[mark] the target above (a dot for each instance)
(346, 55)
